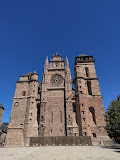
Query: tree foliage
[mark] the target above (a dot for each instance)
(113, 119)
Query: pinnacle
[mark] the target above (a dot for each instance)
(56, 55)
(46, 62)
(67, 62)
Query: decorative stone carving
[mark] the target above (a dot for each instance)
(57, 80)
(70, 131)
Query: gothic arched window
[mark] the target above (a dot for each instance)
(92, 111)
(89, 87)
(87, 72)
(38, 113)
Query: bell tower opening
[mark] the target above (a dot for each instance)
(92, 111)
(87, 72)
(89, 87)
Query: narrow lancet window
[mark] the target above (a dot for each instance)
(92, 111)
(38, 114)
(87, 72)
(60, 116)
(51, 117)
(89, 87)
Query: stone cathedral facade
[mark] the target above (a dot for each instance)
(53, 108)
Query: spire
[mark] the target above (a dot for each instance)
(46, 65)
(68, 82)
(35, 71)
(46, 62)
(66, 62)
(67, 65)
(67, 68)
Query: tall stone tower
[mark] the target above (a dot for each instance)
(89, 105)
(1, 113)
(56, 110)
(23, 120)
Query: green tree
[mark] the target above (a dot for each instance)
(113, 118)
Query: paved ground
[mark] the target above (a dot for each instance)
(59, 153)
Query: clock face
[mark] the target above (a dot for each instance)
(57, 80)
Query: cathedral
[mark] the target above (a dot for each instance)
(53, 108)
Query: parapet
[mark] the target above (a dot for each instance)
(29, 76)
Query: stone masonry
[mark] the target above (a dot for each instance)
(1, 113)
(52, 108)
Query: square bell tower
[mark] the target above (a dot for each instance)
(89, 105)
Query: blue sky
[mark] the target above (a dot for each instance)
(31, 30)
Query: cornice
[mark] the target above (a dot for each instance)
(55, 88)
(85, 78)
(26, 97)
(49, 69)
(28, 81)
